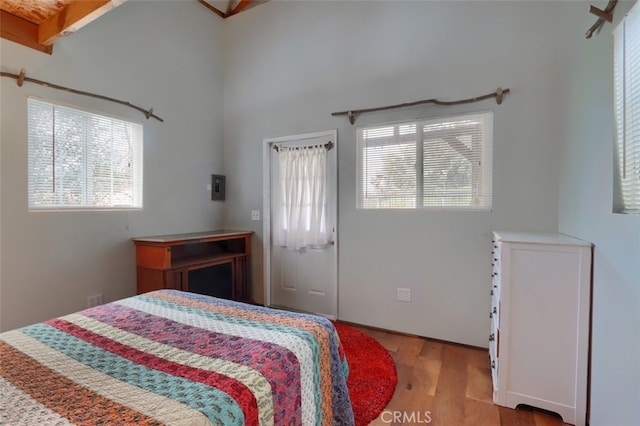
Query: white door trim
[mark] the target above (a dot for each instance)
(266, 202)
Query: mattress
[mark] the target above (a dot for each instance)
(175, 358)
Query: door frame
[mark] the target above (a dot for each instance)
(267, 146)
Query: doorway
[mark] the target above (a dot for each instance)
(301, 263)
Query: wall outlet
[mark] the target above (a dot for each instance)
(255, 214)
(403, 294)
(94, 300)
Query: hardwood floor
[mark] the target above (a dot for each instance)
(445, 384)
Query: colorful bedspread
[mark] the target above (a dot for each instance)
(174, 358)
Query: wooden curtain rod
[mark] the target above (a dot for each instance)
(603, 15)
(21, 78)
(327, 145)
(498, 94)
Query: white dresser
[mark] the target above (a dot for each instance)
(540, 322)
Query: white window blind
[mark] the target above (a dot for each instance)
(81, 160)
(441, 163)
(627, 109)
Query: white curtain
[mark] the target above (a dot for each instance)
(302, 212)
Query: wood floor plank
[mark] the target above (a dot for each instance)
(431, 349)
(520, 417)
(426, 373)
(479, 386)
(478, 413)
(409, 349)
(405, 374)
(543, 418)
(449, 399)
(478, 357)
(390, 341)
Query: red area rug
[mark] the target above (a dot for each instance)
(372, 373)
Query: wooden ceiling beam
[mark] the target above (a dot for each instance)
(242, 5)
(72, 17)
(21, 31)
(75, 15)
(213, 9)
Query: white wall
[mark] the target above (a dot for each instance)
(586, 198)
(165, 55)
(288, 65)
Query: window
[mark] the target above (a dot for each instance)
(439, 163)
(627, 111)
(80, 160)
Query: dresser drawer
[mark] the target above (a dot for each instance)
(494, 370)
(494, 338)
(495, 309)
(496, 279)
(495, 257)
(496, 269)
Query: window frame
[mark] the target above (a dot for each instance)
(478, 173)
(136, 157)
(626, 97)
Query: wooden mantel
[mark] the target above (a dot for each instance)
(175, 261)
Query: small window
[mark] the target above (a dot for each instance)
(442, 163)
(627, 111)
(81, 160)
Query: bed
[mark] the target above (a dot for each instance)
(175, 358)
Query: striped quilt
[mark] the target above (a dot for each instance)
(174, 358)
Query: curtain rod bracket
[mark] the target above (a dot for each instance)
(499, 94)
(352, 119)
(603, 15)
(607, 16)
(20, 78)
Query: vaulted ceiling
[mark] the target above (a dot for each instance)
(38, 24)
